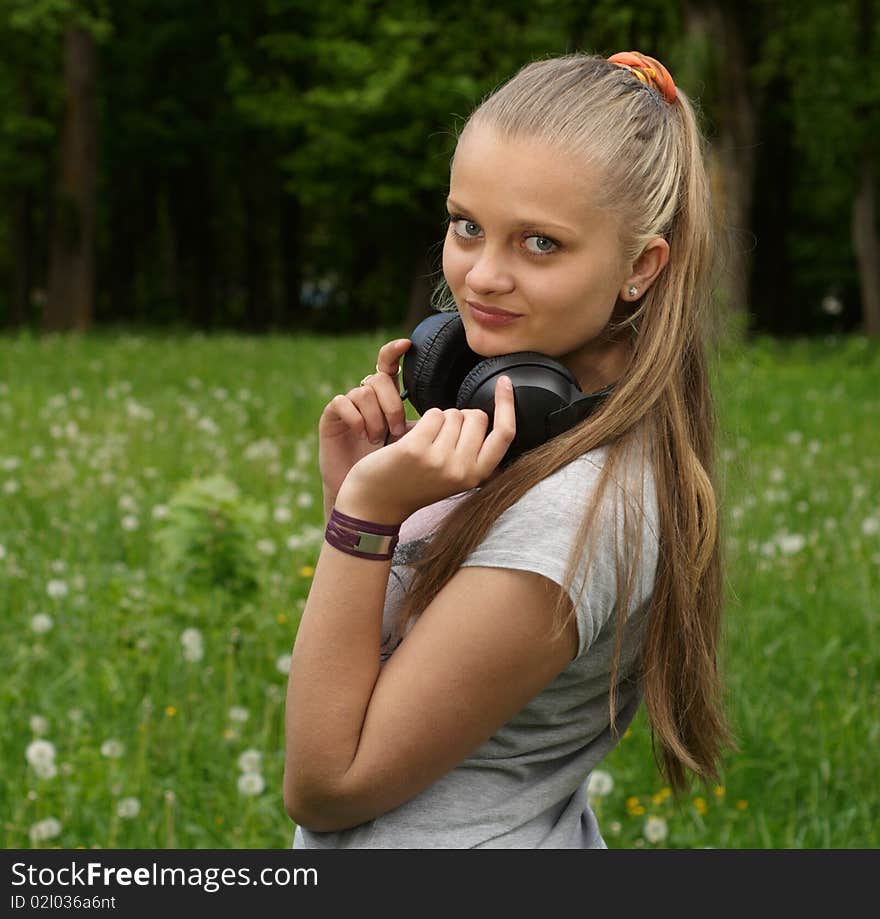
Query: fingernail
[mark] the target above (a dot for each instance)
(505, 382)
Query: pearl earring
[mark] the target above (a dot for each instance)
(633, 291)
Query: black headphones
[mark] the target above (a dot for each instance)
(441, 371)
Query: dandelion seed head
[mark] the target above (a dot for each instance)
(250, 761)
(41, 623)
(127, 808)
(871, 526)
(251, 783)
(600, 783)
(47, 770)
(44, 829)
(655, 830)
(39, 752)
(112, 748)
(56, 589)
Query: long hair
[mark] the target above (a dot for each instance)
(650, 156)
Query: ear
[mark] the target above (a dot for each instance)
(646, 268)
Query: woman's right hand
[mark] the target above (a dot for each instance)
(356, 424)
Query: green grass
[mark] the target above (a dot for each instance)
(99, 433)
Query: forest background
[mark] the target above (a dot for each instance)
(212, 215)
(280, 165)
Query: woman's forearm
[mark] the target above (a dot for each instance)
(333, 669)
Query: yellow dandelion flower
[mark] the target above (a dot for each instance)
(170, 711)
(218, 820)
(306, 571)
(700, 805)
(666, 791)
(742, 805)
(718, 791)
(638, 811)
(229, 734)
(282, 619)
(657, 799)
(632, 802)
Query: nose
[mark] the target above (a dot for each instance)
(489, 273)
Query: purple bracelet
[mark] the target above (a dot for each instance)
(361, 538)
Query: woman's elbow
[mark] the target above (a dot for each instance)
(319, 811)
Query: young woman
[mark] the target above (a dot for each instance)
(458, 692)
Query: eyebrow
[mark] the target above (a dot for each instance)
(518, 223)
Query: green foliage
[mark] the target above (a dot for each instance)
(98, 644)
(248, 150)
(209, 537)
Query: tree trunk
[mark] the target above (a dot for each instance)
(864, 230)
(731, 160)
(864, 214)
(423, 279)
(291, 245)
(70, 300)
(22, 257)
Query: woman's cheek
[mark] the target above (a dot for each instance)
(455, 264)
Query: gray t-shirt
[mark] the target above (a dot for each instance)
(525, 787)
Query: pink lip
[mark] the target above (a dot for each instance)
(491, 310)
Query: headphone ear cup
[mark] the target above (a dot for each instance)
(436, 362)
(540, 386)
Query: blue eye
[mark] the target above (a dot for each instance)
(468, 224)
(469, 230)
(543, 245)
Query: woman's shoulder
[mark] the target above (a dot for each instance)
(568, 490)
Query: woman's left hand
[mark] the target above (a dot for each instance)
(446, 452)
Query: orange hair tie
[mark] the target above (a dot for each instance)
(649, 70)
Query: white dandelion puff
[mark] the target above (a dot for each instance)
(251, 783)
(656, 829)
(130, 522)
(160, 511)
(250, 761)
(600, 783)
(282, 664)
(208, 425)
(871, 526)
(46, 770)
(193, 645)
(239, 714)
(282, 515)
(305, 499)
(262, 449)
(39, 752)
(41, 623)
(112, 748)
(44, 829)
(56, 589)
(266, 547)
(127, 808)
(790, 543)
(39, 724)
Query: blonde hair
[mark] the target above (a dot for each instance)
(649, 154)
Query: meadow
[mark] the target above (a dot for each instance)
(145, 658)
